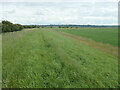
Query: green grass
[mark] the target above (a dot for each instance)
(104, 35)
(46, 59)
(0, 61)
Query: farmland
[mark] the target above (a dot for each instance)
(104, 35)
(60, 58)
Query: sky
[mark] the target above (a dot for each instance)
(94, 12)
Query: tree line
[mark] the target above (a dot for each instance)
(10, 27)
(0, 27)
(7, 26)
(31, 26)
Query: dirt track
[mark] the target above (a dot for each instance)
(101, 46)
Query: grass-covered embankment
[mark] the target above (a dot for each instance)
(47, 59)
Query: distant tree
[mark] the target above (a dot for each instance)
(59, 26)
(31, 26)
(0, 27)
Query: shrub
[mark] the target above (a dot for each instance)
(10, 27)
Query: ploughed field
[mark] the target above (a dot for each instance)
(60, 58)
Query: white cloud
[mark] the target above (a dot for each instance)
(60, 12)
(59, 1)
(100, 18)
